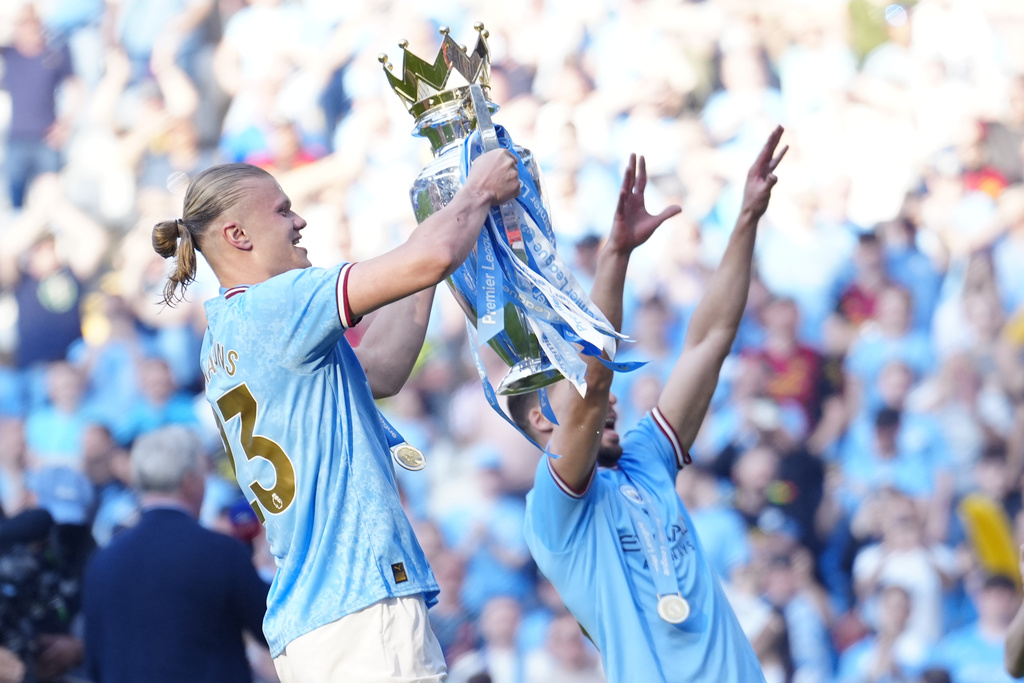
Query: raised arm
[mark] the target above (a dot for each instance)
(439, 244)
(392, 342)
(581, 419)
(687, 393)
(401, 282)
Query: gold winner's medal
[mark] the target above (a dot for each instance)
(409, 457)
(673, 608)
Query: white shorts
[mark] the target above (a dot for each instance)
(389, 641)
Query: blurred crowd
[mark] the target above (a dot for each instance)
(857, 483)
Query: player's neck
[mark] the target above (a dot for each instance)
(236, 275)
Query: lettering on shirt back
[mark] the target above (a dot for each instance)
(220, 358)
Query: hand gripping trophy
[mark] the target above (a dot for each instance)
(517, 293)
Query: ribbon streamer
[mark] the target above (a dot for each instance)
(542, 289)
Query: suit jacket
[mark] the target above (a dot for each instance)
(167, 601)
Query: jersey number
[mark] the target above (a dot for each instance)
(240, 402)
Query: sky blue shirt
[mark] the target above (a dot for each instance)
(971, 657)
(588, 548)
(309, 451)
(55, 437)
(921, 454)
(870, 352)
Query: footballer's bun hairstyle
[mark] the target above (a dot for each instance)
(209, 194)
(166, 236)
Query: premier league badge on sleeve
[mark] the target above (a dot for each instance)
(673, 608)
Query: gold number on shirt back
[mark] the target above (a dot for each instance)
(240, 402)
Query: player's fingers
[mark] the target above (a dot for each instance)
(629, 176)
(769, 149)
(668, 213)
(641, 179)
(778, 157)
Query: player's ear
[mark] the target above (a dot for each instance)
(235, 235)
(538, 423)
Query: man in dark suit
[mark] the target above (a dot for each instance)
(168, 600)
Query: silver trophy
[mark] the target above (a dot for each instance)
(449, 100)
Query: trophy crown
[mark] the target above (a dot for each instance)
(424, 85)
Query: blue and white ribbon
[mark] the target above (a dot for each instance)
(551, 302)
(650, 532)
(492, 397)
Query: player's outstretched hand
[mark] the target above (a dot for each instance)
(761, 177)
(494, 174)
(633, 223)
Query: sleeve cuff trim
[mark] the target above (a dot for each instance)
(682, 455)
(568, 490)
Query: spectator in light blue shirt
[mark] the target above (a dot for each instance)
(160, 403)
(809, 646)
(53, 433)
(488, 532)
(974, 653)
(890, 337)
(892, 653)
(882, 463)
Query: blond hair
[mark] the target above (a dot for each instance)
(209, 195)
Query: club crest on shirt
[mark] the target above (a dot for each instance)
(631, 494)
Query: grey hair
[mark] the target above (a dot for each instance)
(161, 459)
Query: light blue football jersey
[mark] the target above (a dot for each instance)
(587, 546)
(309, 452)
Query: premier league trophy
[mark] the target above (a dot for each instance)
(518, 295)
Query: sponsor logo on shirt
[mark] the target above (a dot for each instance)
(678, 538)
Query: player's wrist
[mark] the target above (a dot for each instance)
(477, 194)
(615, 251)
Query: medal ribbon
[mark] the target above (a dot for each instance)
(391, 434)
(654, 543)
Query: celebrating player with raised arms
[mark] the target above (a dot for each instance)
(295, 404)
(604, 522)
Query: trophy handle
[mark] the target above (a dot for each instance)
(489, 138)
(484, 125)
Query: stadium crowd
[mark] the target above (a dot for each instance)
(858, 480)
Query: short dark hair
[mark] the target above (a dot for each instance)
(994, 452)
(868, 238)
(519, 407)
(887, 418)
(935, 675)
(999, 581)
